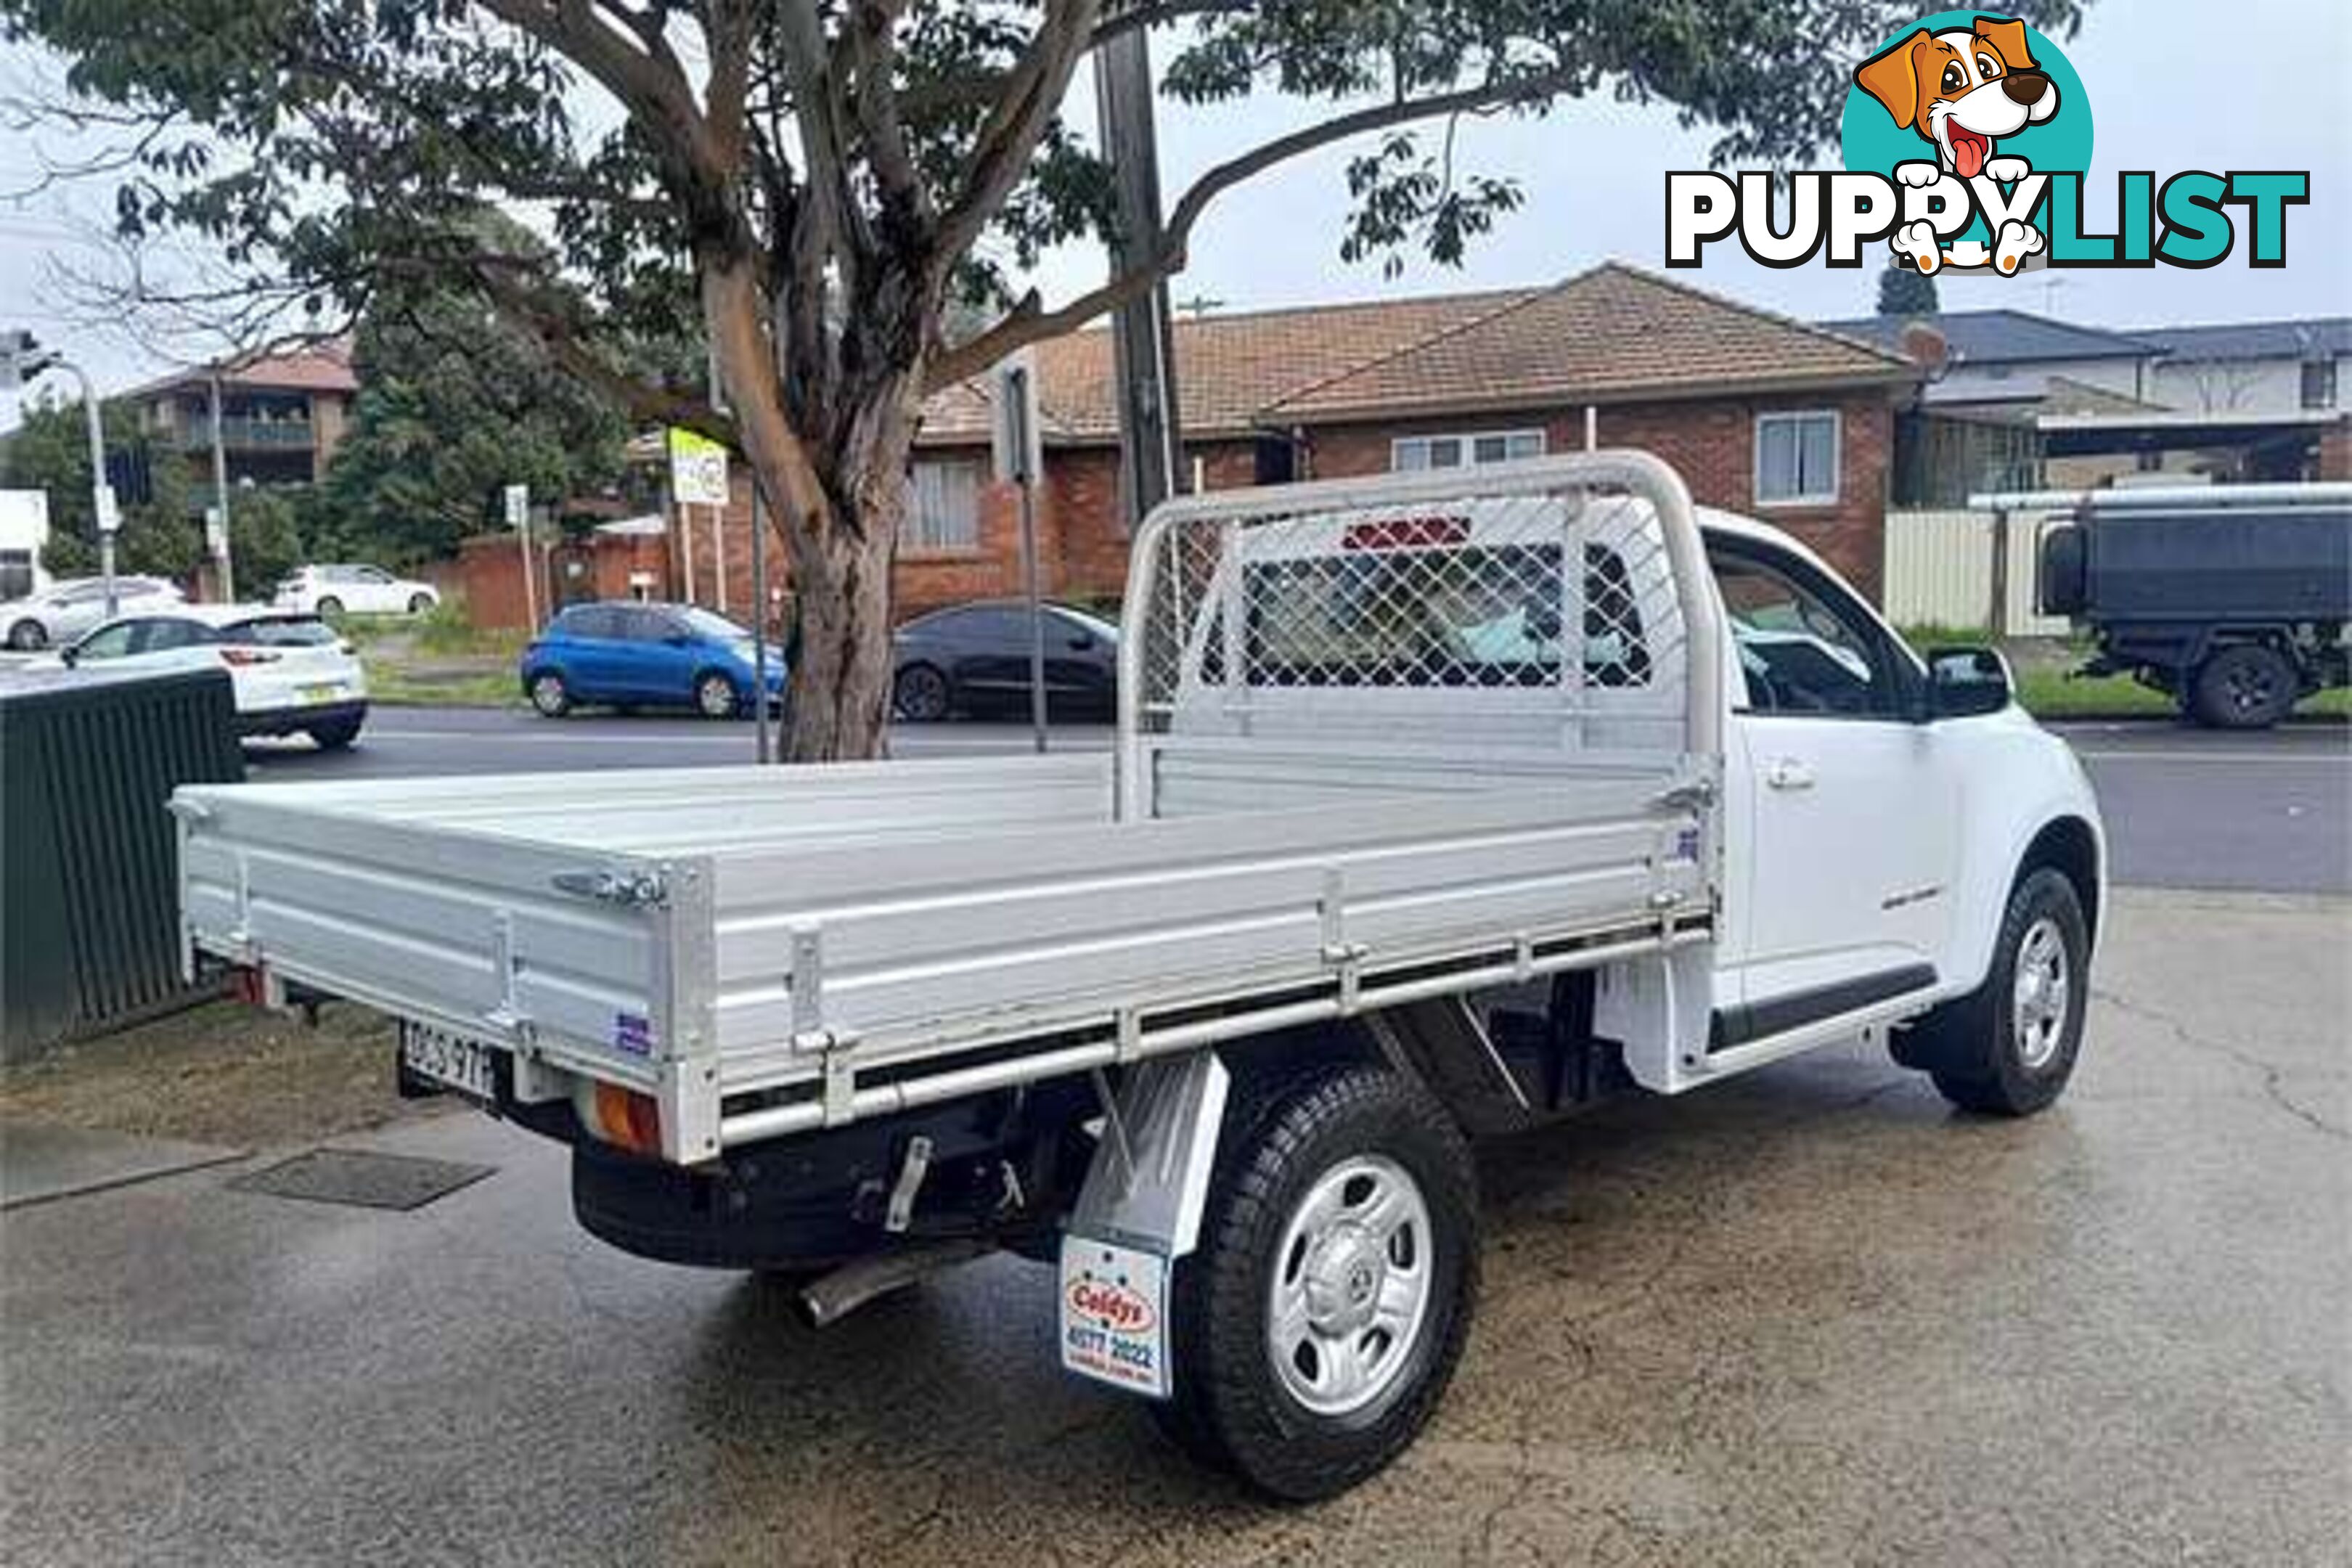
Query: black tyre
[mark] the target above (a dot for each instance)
(419, 603)
(329, 607)
(715, 696)
(28, 635)
(922, 695)
(337, 736)
(1317, 1324)
(548, 694)
(2251, 686)
(2009, 1048)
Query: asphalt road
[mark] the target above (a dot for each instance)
(2185, 808)
(1810, 1316)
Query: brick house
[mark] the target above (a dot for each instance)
(282, 414)
(1761, 413)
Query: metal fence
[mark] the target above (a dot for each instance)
(1940, 570)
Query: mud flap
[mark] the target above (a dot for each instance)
(1138, 1212)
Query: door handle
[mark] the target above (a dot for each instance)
(1789, 772)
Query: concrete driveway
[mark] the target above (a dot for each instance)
(1810, 1316)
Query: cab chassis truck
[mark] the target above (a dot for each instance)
(1442, 805)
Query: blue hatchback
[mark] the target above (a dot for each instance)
(633, 654)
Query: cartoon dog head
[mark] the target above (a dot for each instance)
(1960, 89)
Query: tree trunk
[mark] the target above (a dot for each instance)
(841, 562)
(839, 493)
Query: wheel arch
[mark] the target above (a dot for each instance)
(2071, 847)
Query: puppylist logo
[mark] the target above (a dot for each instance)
(1967, 141)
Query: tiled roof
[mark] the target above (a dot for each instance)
(1229, 368)
(1982, 337)
(318, 367)
(1613, 332)
(2318, 337)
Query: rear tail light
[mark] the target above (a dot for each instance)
(625, 1117)
(245, 655)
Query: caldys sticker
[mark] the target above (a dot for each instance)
(1114, 1315)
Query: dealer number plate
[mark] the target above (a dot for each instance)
(441, 1057)
(1114, 1312)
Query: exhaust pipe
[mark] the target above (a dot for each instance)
(830, 1297)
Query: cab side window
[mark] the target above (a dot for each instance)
(1804, 647)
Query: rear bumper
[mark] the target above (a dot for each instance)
(294, 720)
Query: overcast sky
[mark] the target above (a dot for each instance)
(2169, 93)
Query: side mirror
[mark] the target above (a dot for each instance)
(1964, 682)
(69, 656)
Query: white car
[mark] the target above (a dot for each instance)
(355, 591)
(67, 609)
(293, 673)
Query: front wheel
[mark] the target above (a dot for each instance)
(922, 695)
(328, 609)
(1318, 1323)
(28, 636)
(418, 604)
(715, 696)
(2008, 1047)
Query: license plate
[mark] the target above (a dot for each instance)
(1114, 1310)
(326, 693)
(452, 1063)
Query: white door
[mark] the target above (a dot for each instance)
(1845, 806)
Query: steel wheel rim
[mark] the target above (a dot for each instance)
(1352, 1282)
(716, 697)
(2040, 992)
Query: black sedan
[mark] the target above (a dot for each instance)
(974, 658)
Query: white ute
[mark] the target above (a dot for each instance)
(1442, 805)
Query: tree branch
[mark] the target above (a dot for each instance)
(1009, 137)
(1029, 322)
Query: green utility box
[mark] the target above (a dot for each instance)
(89, 927)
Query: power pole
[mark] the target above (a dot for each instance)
(220, 497)
(1142, 344)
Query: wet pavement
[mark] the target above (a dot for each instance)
(1810, 1316)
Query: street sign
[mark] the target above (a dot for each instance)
(215, 536)
(109, 515)
(1015, 448)
(518, 499)
(697, 469)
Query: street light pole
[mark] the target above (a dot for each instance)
(101, 494)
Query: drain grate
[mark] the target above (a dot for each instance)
(362, 1179)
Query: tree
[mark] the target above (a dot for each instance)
(823, 178)
(456, 403)
(1904, 293)
(161, 536)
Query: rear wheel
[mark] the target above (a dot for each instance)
(28, 636)
(419, 603)
(2008, 1047)
(336, 736)
(922, 695)
(329, 608)
(549, 695)
(2252, 686)
(1318, 1323)
(715, 696)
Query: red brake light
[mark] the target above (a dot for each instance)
(1406, 533)
(244, 656)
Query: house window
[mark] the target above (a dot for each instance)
(1411, 454)
(943, 506)
(1797, 458)
(2319, 384)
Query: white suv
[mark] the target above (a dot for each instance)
(65, 610)
(353, 590)
(293, 674)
